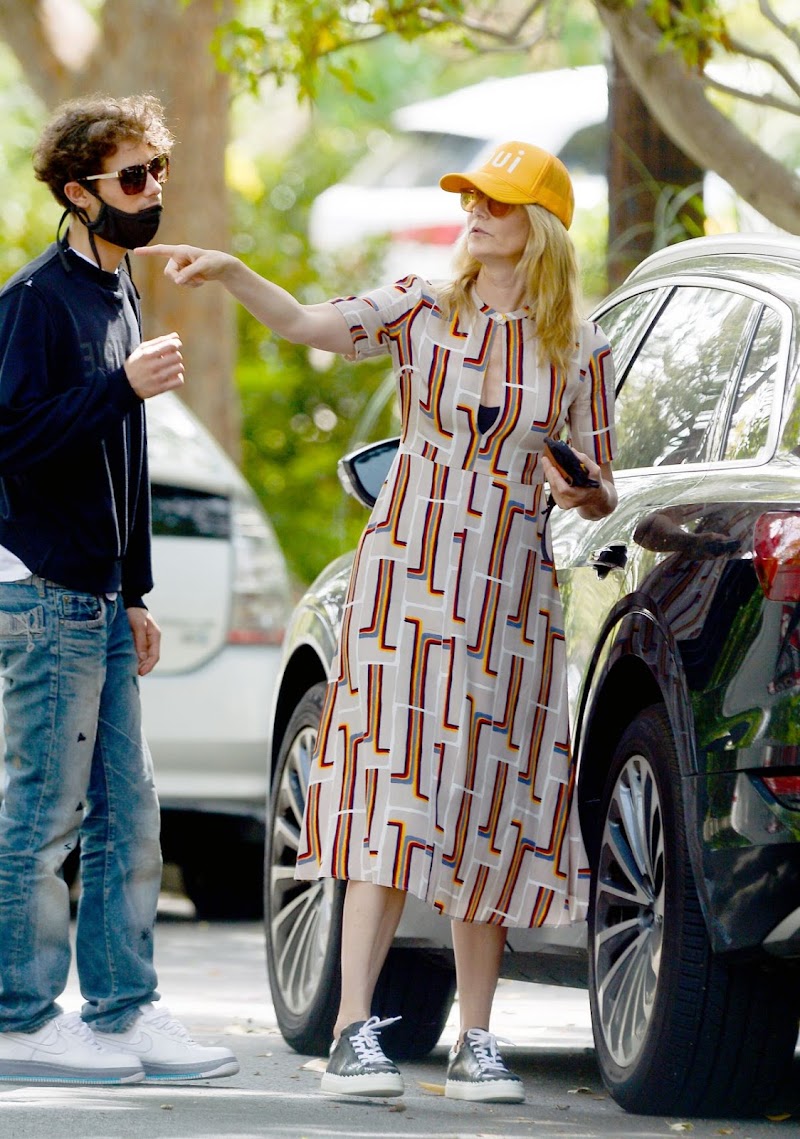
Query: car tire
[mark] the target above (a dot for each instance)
(678, 1030)
(303, 927)
(302, 920)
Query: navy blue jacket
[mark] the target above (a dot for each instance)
(74, 485)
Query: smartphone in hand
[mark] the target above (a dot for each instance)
(572, 469)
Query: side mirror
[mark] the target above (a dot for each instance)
(362, 473)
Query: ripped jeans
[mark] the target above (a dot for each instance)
(77, 766)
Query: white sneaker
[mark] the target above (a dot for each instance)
(64, 1051)
(166, 1050)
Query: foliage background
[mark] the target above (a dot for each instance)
(300, 413)
(29, 215)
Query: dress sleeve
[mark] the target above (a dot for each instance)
(371, 317)
(591, 414)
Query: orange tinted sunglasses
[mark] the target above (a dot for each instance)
(495, 208)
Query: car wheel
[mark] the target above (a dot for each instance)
(303, 920)
(303, 927)
(677, 1029)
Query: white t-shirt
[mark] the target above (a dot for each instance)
(11, 568)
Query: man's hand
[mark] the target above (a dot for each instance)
(146, 638)
(188, 265)
(155, 366)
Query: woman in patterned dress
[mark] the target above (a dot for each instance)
(443, 766)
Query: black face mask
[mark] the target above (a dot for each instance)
(128, 231)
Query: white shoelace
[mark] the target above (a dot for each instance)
(365, 1042)
(484, 1047)
(165, 1022)
(73, 1025)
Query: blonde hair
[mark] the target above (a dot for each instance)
(549, 278)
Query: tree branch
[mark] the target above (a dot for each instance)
(771, 60)
(509, 39)
(676, 99)
(490, 31)
(371, 35)
(415, 18)
(788, 30)
(750, 97)
(527, 15)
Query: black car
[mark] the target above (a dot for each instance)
(682, 623)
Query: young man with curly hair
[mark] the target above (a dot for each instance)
(75, 635)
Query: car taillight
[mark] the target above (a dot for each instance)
(776, 554)
(261, 597)
(785, 788)
(430, 234)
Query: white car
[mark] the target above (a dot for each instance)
(394, 190)
(222, 599)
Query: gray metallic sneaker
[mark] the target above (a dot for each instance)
(475, 1071)
(357, 1065)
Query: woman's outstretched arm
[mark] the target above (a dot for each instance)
(318, 326)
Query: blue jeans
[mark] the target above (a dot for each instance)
(77, 766)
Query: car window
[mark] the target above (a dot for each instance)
(621, 325)
(416, 158)
(185, 513)
(750, 416)
(671, 393)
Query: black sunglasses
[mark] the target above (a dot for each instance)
(133, 179)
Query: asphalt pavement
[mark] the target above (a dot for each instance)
(213, 977)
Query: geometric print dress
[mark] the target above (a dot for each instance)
(443, 763)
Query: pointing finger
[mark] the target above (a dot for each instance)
(155, 250)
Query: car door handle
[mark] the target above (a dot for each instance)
(612, 556)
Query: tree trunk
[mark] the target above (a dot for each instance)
(163, 47)
(654, 190)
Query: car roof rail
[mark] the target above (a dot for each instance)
(783, 245)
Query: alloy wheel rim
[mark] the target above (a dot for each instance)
(628, 921)
(300, 912)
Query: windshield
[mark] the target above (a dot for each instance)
(417, 158)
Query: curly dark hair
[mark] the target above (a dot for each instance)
(82, 132)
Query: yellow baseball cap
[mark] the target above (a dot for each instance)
(522, 174)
